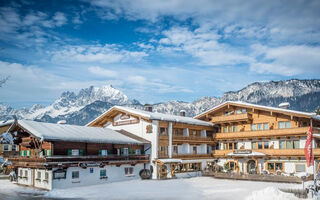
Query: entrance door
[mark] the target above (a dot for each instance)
(163, 172)
(251, 167)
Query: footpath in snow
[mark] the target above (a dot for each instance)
(198, 188)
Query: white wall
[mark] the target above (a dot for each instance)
(42, 183)
(114, 173)
(21, 177)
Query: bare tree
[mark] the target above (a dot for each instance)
(3, 81)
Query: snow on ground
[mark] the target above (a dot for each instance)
(198, 188)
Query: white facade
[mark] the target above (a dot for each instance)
(140, 129)
(44, 179)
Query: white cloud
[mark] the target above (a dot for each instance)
(96, 53)
(103, 72)
(59, 18)
(287, 60)
(202, 44)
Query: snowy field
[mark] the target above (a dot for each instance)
(197, 188)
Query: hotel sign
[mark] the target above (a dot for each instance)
(242, 151)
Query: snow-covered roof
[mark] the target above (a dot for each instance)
(6, 123)
(73, 133)
(157, 116)
(307, 114)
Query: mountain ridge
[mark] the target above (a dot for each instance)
(90, 102)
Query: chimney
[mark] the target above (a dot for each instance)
(62, 122)
(148, 107)
(284, 105)
(182, 113)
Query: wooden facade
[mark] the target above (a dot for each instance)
(254, 135)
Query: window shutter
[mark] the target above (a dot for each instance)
(49, 152)
(29, 153)
(100, 152)
(45, 152)
(80, 152)
(69, 152)
(121, 151)
(109, 152)
(130, 150)
(25, 153)
(20, 153)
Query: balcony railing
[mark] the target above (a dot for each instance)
(192, 156)
(231, 118)
(65, 158)
(192, 138)
(262, 133)
(270, 152)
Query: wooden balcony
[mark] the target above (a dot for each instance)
(68, 161)
(192, 156)
(192, 139)
(270, 152)
(262, 134)
(231, 118)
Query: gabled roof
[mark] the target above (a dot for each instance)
(73, 133)
(152, 116)
(267, 108)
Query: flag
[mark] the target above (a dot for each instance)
(308, 148)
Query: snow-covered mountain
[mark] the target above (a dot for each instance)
(91, 102)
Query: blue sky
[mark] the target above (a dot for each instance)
(154, 50)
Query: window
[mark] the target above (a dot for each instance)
(14, 147)
(194, 133)
(235, 145)
(175, 149)
(265, 126)
(39, 175)
(225, 130)
(282, 144)
(288, 124)
(103, 173)
(128, 171)
(5, 147)
(46, 176)
(176, 132)
(163, 131)
(260, 127)
(231, 165)
(103, 152)
(125, 151)
(235, 129)
(288, 144)
(91, 170)
(230, 146)
(75, 174)
(20, 173)
(230, 129)
(238, 111)
(73, 152)
(226, 114)
(281, 125)
(275, 166)
(296, 144)
(194, 150)
(300, 167)
(253, 127)
(254, 145)
(244, 110)
(25, 173)
(266, 145)
(259, 145)
(138, 151)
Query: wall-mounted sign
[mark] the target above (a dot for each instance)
(59, 174)
(149, 128)
(124, 117)
(242, 151)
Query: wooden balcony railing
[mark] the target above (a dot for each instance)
(79, 158)
(231, 118)
(271, 152)
(262, 133)
(192, 156)
(191, 139)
